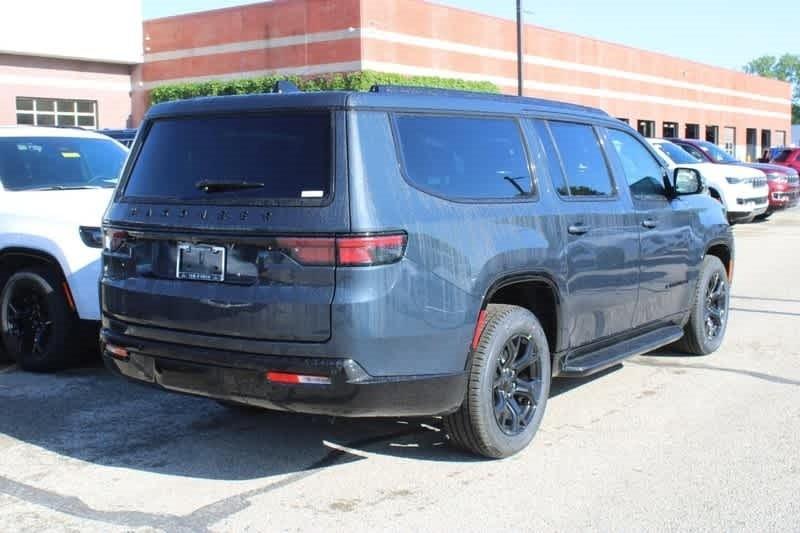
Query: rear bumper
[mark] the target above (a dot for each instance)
(241, 377)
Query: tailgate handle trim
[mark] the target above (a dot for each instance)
(225, 305)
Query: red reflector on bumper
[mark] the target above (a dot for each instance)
(476, 337)
(117, 352)
(297, 379)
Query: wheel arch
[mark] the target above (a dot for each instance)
(537, 292)
(717, 195)
(724, 252)
(15, 258)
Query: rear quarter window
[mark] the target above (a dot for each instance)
(280, 156)
(458, 157)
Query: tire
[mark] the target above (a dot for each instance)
(475, 427)
(764, 216)
(700, 337)
(40, 336)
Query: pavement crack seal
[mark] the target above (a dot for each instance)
(74, 506)
(200, 519)
(750, 373)
(222, 509)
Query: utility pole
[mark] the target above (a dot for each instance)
(519, 48)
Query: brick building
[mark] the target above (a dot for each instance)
(67, 70)
(59, 67)
(658, 94)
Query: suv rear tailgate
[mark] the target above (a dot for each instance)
(230, 259)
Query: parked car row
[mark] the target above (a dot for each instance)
(747, 191)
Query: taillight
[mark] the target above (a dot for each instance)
(375, 250)
(309, 250)
(354, 250)
(113, 239)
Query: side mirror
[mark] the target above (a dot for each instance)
(687, 181)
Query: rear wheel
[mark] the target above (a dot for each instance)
(508, 385)
(708, 320)
(36, 322)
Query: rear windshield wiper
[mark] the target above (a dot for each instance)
(222, 186)
(64, 188)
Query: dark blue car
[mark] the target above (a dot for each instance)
(402, 252)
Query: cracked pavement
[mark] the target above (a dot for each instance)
(662, 442)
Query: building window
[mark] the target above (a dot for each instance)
(647, 128)
(712, 134)
(53, 112)
(766, 140)
(669, 129)
(752, 144)
(692, 131)
(780, 138)
(625, 120)
(729, 140)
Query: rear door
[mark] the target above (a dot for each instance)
(224, 225)
(664, 226)
(600, 232)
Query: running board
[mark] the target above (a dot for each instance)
(605, 357)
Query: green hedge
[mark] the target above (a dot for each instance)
(356, 81)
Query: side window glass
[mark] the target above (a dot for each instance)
(585, 167)
(553, 163)
(694, 151)
(644, 174)
(465, 157)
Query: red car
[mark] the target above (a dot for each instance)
(784, 183)
(789, 189)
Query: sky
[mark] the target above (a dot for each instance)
(726, 33)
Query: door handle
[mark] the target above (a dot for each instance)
(649, 223)
(578, 229)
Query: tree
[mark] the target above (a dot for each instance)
(784, 68)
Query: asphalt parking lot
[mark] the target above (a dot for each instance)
(662, 442)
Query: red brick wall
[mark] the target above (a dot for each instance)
(417, 37)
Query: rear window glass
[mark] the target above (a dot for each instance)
(783, 156)
(255, 157)
(465, 157)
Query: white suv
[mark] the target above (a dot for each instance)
(743, 191)
(55, 184)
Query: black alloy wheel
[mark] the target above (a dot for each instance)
(716, 306)
(40, 331)
(517, 385)
(709, 312)
(507, 387)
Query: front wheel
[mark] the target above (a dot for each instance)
(708, 320)
(36, 322)
(508, 385)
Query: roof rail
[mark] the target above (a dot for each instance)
(432, 91)
(285, 86)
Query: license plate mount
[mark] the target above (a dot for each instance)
(200, 262)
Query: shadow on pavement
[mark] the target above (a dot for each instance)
(89, 415)
(563, 385)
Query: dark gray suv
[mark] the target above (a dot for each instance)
(402, 252)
